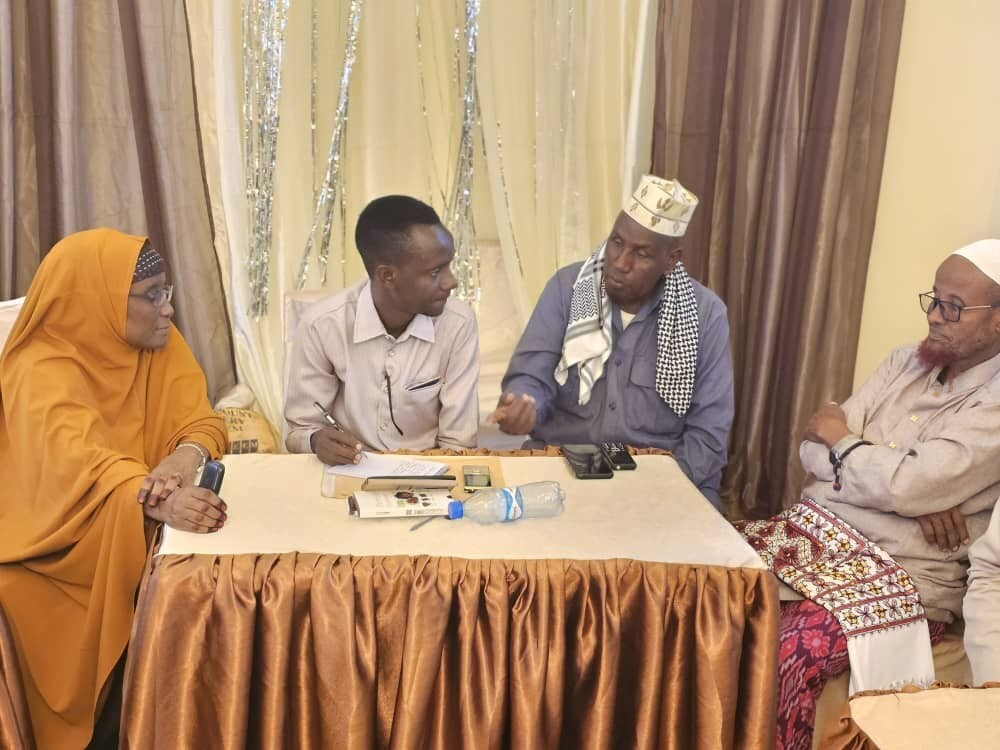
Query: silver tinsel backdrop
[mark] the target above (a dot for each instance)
(263, 47)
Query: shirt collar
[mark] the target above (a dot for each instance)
(368, 325)
(974, 377)
(651, 303)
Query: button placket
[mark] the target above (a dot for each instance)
(388, 371)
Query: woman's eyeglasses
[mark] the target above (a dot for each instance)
(157, 297)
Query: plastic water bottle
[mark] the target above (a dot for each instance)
(499, 504)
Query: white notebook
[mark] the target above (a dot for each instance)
(380, 465)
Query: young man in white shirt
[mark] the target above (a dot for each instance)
(394, 359)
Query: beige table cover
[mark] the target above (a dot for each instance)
(638, 618)
(941, 717)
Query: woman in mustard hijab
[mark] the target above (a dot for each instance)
(104, 422)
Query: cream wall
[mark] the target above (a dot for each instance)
(941, 183)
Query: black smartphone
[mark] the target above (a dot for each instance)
(587, 461)
(211, 476)
(619, 456)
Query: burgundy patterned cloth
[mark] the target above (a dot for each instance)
(873, 599)
(827, 561)
(813, 649)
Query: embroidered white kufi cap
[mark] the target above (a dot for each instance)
(662, 206)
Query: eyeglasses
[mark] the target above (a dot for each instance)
(157, 297)
(950, 311)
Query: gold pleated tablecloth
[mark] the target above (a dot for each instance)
(637, 618)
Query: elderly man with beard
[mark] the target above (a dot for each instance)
(904, 475)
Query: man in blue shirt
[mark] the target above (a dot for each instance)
(626, 347)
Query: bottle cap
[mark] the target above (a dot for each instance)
(455, 510)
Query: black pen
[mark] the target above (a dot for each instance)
(329, 417)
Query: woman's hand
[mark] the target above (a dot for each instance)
(176, 470)
(190, 509)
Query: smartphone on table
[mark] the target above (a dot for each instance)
(619, 456)
(587, 461)
(211, 476)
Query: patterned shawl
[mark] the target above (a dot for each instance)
(588, 344)
(876, 603)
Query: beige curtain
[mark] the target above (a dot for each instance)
(566, 95)
(394, 144)
(775, 113)
(565, 91)
(98, 128)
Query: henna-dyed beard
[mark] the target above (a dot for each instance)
(936, 354)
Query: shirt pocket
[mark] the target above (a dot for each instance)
(431, 383)
(420, 390)
(416, 405)
(643, 405)
(568, 395)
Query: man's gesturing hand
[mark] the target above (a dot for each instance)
(515, 414)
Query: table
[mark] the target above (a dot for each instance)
(637, 618)
(942, 716)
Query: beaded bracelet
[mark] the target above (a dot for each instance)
(838, 462)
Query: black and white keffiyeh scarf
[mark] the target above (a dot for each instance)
(587, 342)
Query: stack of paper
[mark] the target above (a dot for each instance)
(376, 465)
(379, 465)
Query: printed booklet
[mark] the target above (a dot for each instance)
(399, 503)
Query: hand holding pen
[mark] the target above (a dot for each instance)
(333, 444)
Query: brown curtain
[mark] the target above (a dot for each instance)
(315, 651)
(98, 128)
(775, 113)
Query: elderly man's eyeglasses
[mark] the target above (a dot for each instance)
(157, 297)
(950, 311)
